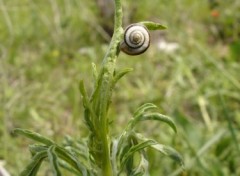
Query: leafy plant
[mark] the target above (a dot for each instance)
(100, 153)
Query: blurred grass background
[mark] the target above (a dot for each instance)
(47, 46)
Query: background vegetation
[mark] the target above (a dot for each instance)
(47, 46)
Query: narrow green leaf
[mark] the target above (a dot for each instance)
(79, 147)
(36, 148)
(166, 150)
(88, 112)
(158, 117)
(136, 148)
(71, 160)
(169, 151)
(138, 113)
(120, 74)
(125, 142)
(34, 136)
(52, 156)
(144, 108)
(67, 167)
(95, 73)
(97, 87)
(83, 92)
(33, 167)
(83, 154)
(153, 26)
(123, 149)
(142, 168)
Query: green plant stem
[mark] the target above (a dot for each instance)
(103, 92)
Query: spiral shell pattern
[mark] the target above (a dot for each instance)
(136, 39)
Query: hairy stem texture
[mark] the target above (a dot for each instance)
(101, 98)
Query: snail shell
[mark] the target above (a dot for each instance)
(136, 39)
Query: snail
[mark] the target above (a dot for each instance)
(136, 39)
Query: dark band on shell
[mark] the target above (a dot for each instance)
(136, 39)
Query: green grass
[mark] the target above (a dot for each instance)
(47, 47)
